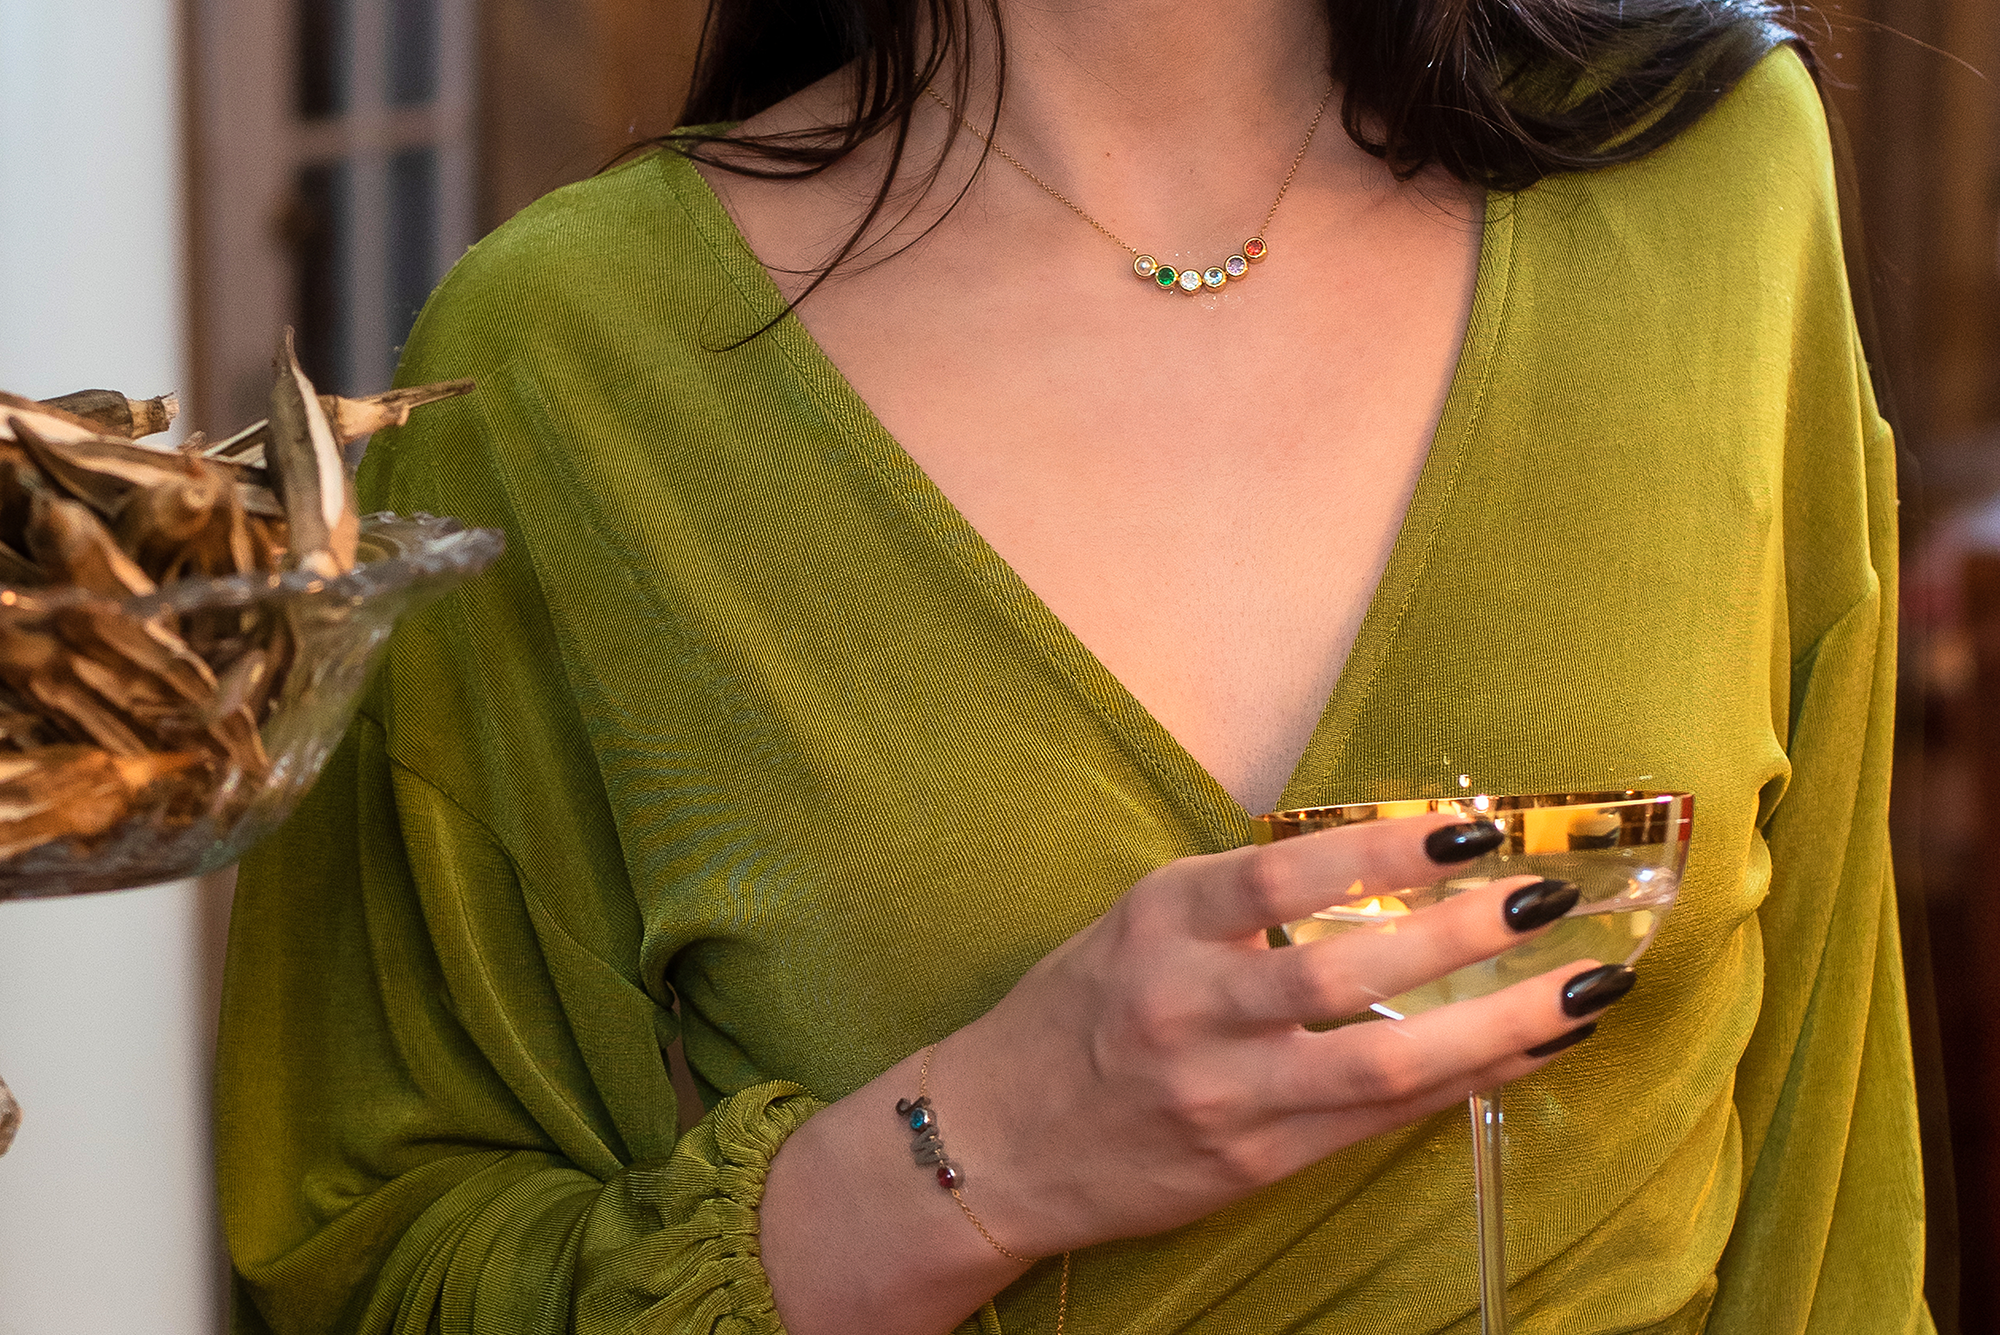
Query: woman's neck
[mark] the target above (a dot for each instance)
(1151, 113)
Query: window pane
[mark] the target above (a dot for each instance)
(323, 56)
(318, 226)
(413, 236)
(413, 51)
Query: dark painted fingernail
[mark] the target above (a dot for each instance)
(1561, 1041)
(1539, 904)
(1594, 989)
(1462, 843)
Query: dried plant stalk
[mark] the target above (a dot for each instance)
(354, 419)
(49, 422)
(118, 415)
(351, 419)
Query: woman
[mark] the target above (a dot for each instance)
(883, 669)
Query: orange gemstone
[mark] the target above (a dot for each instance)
(1254, 248)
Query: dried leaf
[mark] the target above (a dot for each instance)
(309, 473)
(118, 415)
(249, 438)
(69, 701)
(20, 481)
(22, 731)
(17, 570)
(67, 541)
(107, 631)
(158, 524)
(102, 472)
(222, 547)
(74, 792)
(150, 676)
(139, 700)
(245, 682)
(269, 538)
(260, 501)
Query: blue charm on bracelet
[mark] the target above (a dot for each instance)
(926, 1148)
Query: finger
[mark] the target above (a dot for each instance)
(1451, 1049)
(1341, 975)
(1235, 894)
(1351, 1124)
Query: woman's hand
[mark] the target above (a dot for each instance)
(1154, 1068)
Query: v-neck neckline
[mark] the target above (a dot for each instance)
(1221, 819)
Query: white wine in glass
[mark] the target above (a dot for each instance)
(1625, 852)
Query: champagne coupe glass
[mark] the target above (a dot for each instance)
(1624, 850)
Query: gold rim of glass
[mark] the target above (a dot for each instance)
(1644, 817)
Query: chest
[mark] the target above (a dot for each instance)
(1204, 489)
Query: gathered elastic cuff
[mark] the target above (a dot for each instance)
(700, 1266)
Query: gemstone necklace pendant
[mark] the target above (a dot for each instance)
(1195, 280)
(1165, 276)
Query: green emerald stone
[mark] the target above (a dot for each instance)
(1166, 276)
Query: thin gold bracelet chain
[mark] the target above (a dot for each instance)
(1062, 1295)
(1312, 129)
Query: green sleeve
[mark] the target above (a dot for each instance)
(412, 1107)
(443, 1101)
(1829, 1235)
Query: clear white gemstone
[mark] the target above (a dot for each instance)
(1190, 280)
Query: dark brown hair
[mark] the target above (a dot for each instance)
(1499, 93)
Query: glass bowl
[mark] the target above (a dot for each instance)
(324, 632)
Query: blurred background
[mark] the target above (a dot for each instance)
(182, 177)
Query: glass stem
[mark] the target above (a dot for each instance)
(1487, 1125)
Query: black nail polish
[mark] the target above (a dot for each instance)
(1539, 904)
(1594, 989)
(1462, 843)
(1561, 1041)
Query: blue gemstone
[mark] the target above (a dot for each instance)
(920, 1118)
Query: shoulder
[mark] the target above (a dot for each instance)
(1737, 208)
(640, 256)
(1770, 130)
(1761, 150)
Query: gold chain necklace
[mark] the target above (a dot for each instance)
(1165, 275)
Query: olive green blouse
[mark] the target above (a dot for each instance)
(750, 738)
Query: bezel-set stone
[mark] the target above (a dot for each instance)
(1166, 275)
(1213, 278)
(1190, 280)
(1145, 266)
(1254, 249)
(1236, 266)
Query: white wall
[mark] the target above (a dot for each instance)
(106, 1210)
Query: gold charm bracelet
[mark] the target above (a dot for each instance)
(928, 1150)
